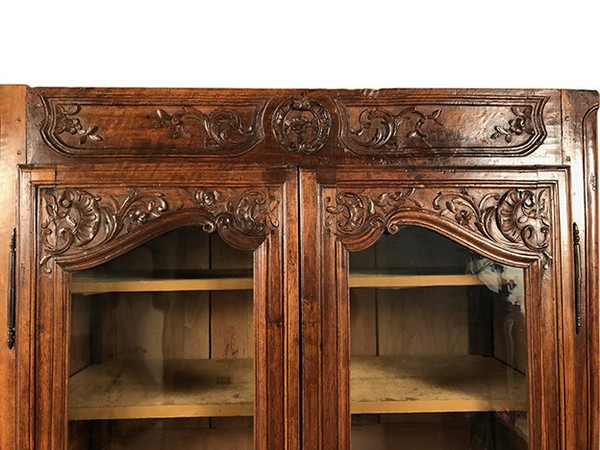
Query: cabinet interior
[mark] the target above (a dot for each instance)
(150, 367)
(443, 360)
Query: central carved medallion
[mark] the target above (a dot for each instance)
(301, 125)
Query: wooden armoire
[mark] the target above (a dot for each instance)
(299, 269)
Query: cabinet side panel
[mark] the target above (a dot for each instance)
(12, 152)
(582, 372)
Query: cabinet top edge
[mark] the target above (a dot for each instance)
(353, 91)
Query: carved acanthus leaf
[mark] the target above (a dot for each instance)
(383, 130)
(222, 129)
(354, 214)
(515, 218)
(76, 220)
(251, 212)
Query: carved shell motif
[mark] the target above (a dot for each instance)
(516, 218)
(77, 221)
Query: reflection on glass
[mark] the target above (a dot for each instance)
(161, 348)
(439, 354)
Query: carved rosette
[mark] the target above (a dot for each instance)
(301, 125)
(77, 222)
(517, 219)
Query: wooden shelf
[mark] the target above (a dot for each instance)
(223, 387)
(391, 384)
(214, 280)
(397, 281)
(238, 280)
(161, 389)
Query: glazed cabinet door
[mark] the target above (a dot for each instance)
(440, 300)
(164, 308)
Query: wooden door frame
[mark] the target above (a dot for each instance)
(246, 206)
(384, 198)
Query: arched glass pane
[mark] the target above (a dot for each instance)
(438, 344)
(161, 348)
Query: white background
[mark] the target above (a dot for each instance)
(302, 43)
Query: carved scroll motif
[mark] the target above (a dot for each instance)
(221, 129)
(76, 222)
(382, 130)
(441, 125)
(253, 213)
(100, 126)
(515, 218)
(355, 214)
(301, 125)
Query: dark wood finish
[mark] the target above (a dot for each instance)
(301, 178)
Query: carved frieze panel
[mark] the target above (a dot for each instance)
(76, 222)
(130, 126)
(513, 218)
(430, 125)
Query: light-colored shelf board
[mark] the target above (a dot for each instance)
(160, 389)
(101, 284)
(223, 387)
(470, 383)
(97, 284)
(392, 281)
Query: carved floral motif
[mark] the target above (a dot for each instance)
(520, 124)
(222, 129)
(516, 218)
(170, 124)
(382, 130)
(68, 122)
(376, 124)
(77, 221)
(253, 212)
(301, 125)
(356, 213)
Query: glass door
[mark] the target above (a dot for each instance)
(438, 347)
(161, 347)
